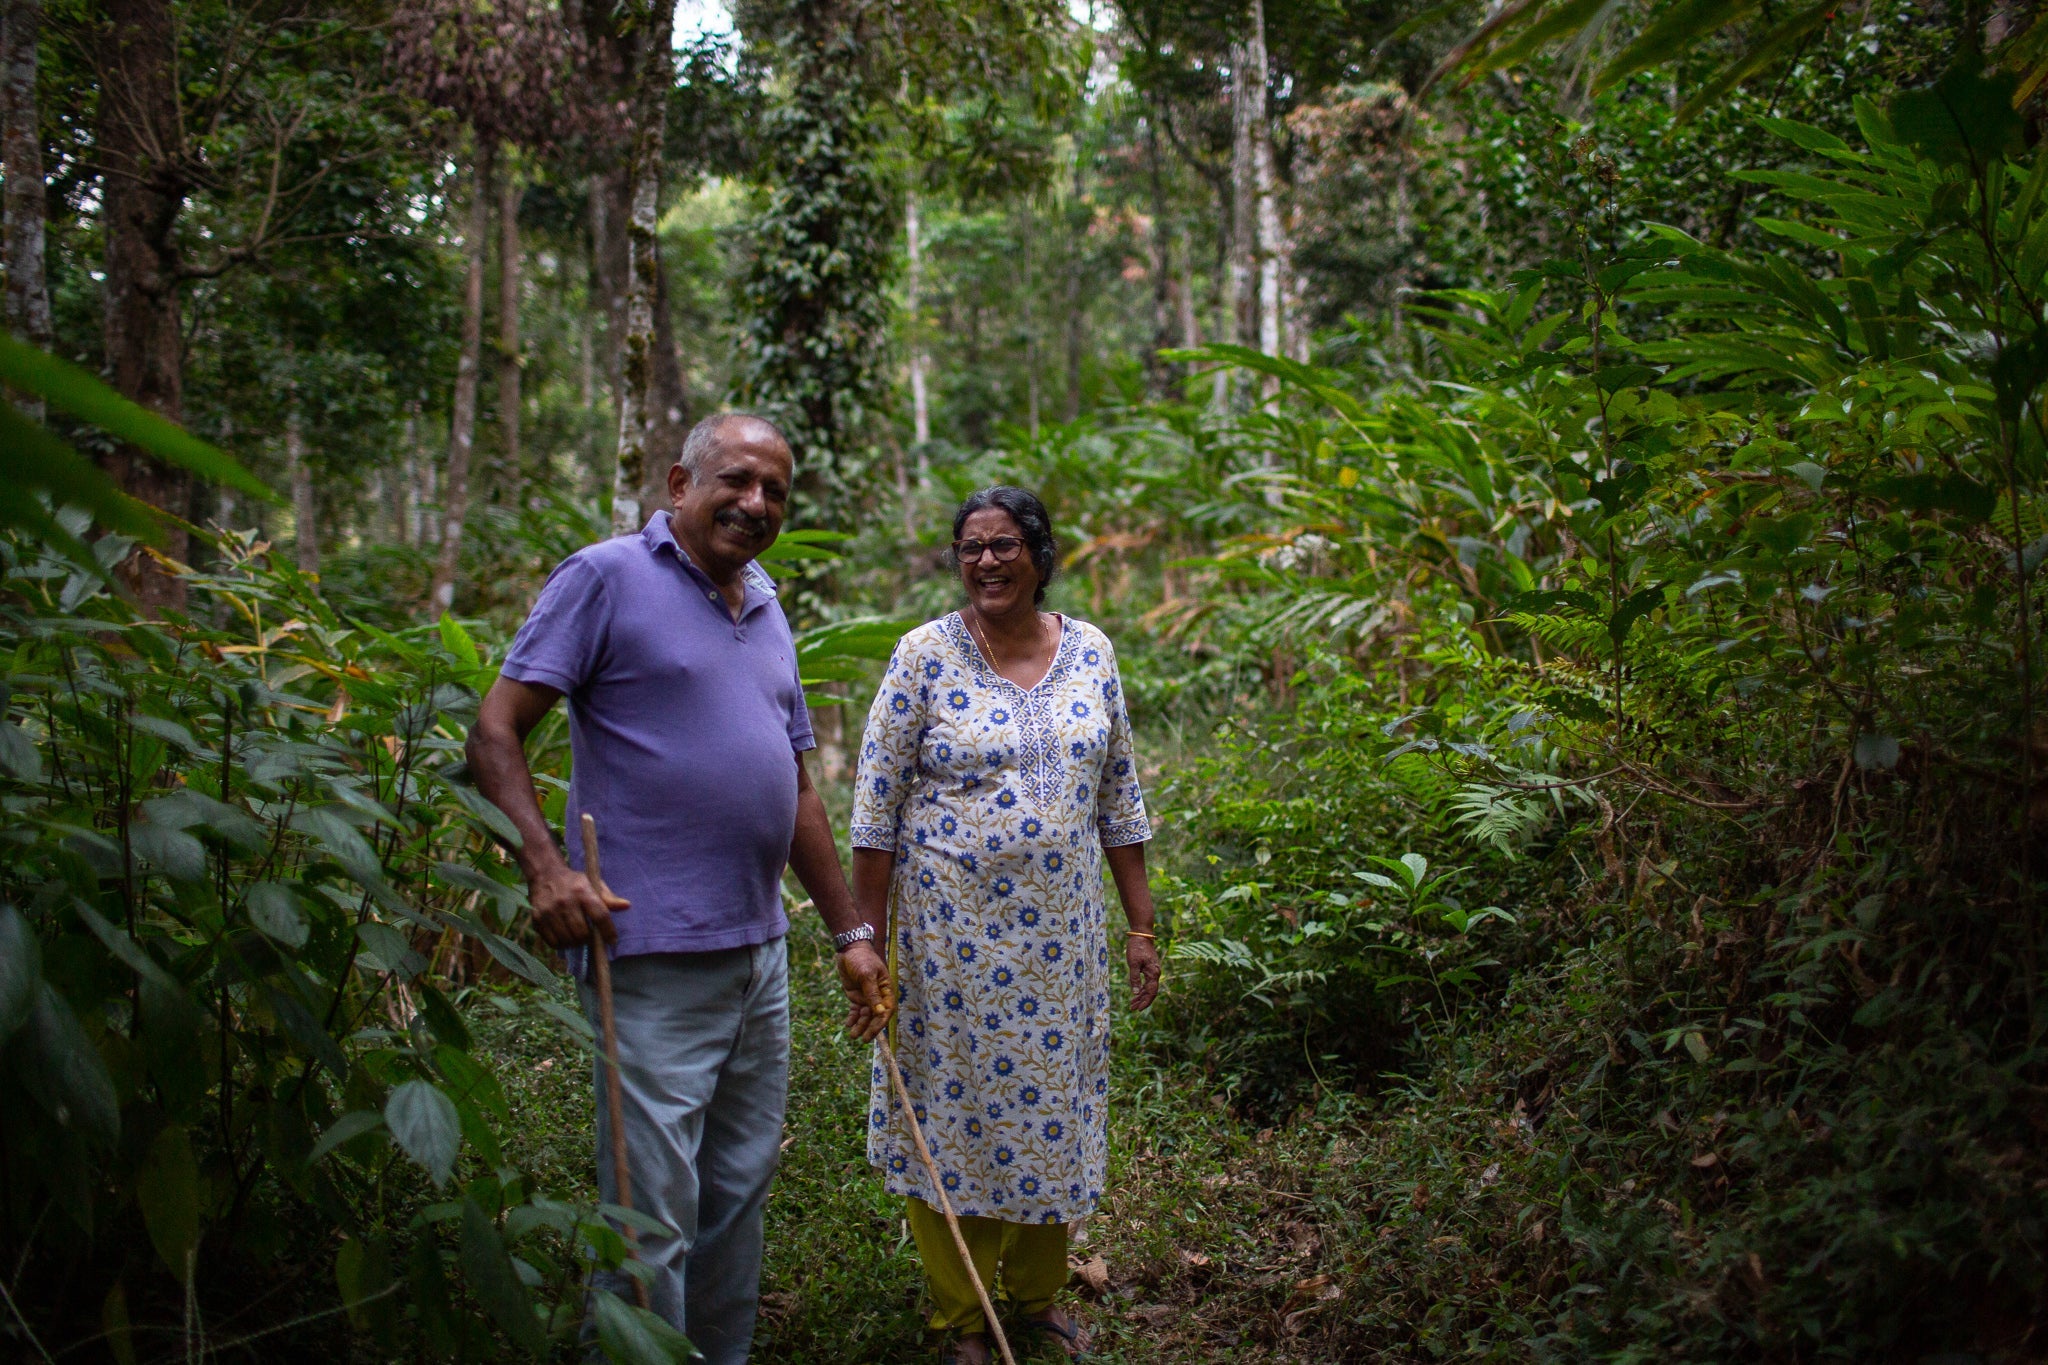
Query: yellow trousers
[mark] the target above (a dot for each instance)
(1032, 1257)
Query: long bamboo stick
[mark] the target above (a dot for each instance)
(614, 1092)
(924, 1154)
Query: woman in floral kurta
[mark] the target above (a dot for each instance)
(997, 801)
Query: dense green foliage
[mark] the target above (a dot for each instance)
(1589, 671)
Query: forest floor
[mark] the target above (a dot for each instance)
(1217, 1240)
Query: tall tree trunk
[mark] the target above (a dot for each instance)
(1030, 319)
(1158, 375)
(1184, 291)
(139, 140)
(1265, 192)
(1076, 316)
(920, 401)
(462, 418)
(1244, 240)
(410, 504)
(510, 361)
(21, 148)
(652, 75)
(1226, 291)
(672, 420)
(305, 516)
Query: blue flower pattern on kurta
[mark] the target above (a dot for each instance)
(998, 802)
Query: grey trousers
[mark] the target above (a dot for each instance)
(704, 1061)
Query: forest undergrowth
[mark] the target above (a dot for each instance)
(1593, 727)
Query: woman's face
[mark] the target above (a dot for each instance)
(996, 588)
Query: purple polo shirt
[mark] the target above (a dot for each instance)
(683, 726)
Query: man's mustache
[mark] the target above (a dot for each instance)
(750, 526)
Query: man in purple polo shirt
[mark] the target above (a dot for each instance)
(687, 727)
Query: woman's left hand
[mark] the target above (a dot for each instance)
(1141, 955)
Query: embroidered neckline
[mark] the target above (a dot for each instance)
(963, 640)
(1041, 770)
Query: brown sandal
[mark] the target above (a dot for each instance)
(1066, 1329)
(951, 1350)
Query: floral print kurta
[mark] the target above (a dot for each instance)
(998, 802)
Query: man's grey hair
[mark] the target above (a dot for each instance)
(708, 435)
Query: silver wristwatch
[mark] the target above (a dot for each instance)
(859, 933)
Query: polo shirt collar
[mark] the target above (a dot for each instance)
(659, 533)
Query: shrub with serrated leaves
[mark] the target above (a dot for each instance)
(246, 883)
(1705, 583)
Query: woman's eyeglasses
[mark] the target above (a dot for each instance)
(1004, 548)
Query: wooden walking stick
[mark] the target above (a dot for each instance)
(924, 1154)
(614, 1095)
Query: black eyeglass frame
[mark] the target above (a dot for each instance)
(960, 556)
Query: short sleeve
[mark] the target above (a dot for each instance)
(801, 738)
(888, 753)
(565, 632)
(1119, 800)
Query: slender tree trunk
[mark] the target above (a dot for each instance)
(510, 359)
(305, 516)
(673, 413)
(1244, 240)
(1184, 289)
(140, 138)
(1265, 192)
(1077, 255)
(586, 345)
(1226, 292)
(920, 402)
(1158, 374)
(1030, 320)
(653, 74)
(21, 147)
(462, 418)
(409, 502)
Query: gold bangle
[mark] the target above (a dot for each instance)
(1140, 933)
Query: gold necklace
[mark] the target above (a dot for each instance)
(981, 639)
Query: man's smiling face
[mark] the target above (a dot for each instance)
(731, 509)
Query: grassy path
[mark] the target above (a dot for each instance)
(1218, 1242)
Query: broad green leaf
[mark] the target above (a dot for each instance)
(387, 950)
(115, 1323)
(163, 996)
(306, 1031)
(1633, 608)
(35, 462)
(1963, 119)
(492, 818)
(516, 959)
(172, 852)
(488, 1268)
(362, 1272)
(167, 1189)
(353, 1124)
(64, 385)
(21, 970)
(275, 911)
(1676, 31)
(426, 1127)
(441, 1017)
(1773, 45)
(343, 840)
(64, 1072)
(634, 1336)
(19, 756)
